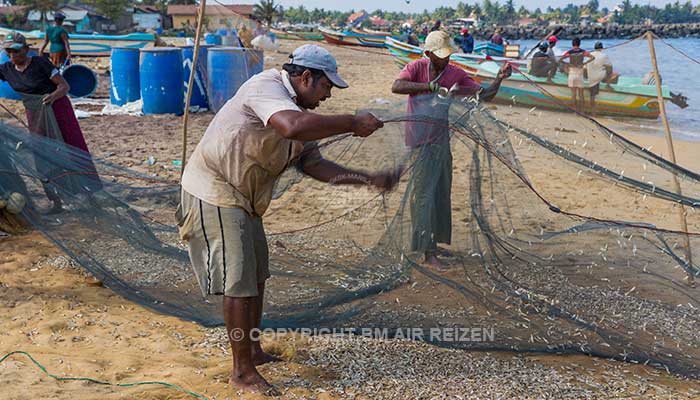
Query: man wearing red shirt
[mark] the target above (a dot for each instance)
(431, 212)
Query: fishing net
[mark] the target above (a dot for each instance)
(564, 235)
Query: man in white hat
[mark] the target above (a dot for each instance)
(228, 182)
(432, 179)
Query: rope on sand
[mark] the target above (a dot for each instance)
(91, 380)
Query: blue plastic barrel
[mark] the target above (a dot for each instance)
(160, 77)
(230, 40)
(81, 80)
(6, 91)
(124, 81)
(227, 69)
(212, 39)
(199, 88)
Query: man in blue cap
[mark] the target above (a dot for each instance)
(57, 36)
(228, 182)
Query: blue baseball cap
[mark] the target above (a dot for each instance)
(316, 57)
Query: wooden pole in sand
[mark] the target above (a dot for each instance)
(671, 152)
(193, 72)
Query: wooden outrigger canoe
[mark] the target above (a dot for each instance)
(297, 35)
(363, 31)
(630, 97)
(351, 39)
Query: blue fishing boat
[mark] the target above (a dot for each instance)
(489, 49)
(94, 45)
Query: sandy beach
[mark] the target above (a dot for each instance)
(76, 327)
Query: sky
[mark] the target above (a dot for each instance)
(420, 5)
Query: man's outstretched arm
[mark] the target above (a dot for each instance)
(487, 94)
(314, 165)
(403, 86)
(307, 126)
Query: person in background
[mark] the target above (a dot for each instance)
(542, 64)
(245, 36)
(228, 184)
(413, 38)
(259, 29)
(552, 41)
(36, 78)
(497, 38)
(466, 41)
(578, 58)
(57, 37)
(436, 26)
(599, 70)
(431, 208)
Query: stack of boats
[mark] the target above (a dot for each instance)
(629, 97)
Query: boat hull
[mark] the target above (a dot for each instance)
(489, 49)
(99, 45)
(292, 35)
(608, 102)
(352, 39)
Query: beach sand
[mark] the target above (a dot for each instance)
(75, 327)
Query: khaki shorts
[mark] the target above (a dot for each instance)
(227, 247)
(576, 77)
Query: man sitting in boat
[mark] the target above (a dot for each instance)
(497, 39)
(578, 58)
(542, 65)
(413, 38)
(599, 70)
(59, 51)
(466, 41)
(431, 212)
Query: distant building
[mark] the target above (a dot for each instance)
(218, 16)
(147, 17)
(584, 20)
(357, 18)
(78, 19)
(379, 22)
(526, 21)
(469, 22)
(82, 19)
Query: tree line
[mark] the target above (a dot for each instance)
(495, 12)
(488, 11)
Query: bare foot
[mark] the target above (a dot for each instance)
(444, 252)
(260, 357)
(253, 382)
(432, 261)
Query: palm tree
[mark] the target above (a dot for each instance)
(267, 10)
(43, 6)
